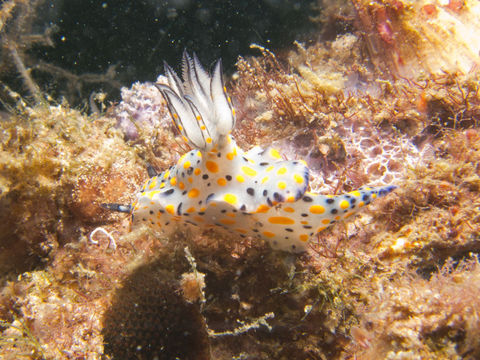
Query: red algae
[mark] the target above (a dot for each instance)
(405, 38)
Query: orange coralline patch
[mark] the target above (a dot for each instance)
(227, 221)
(193, 193)
(268, 234)
(212, 166)
(281, 220)
(262, 208)
(317, 209)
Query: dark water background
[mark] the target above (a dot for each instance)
(137, 36)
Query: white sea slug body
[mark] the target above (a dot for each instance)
(254, 193)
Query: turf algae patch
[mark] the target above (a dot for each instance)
(55, 165)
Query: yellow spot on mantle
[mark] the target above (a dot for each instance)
(275, 154)
(344, 204)
(152, 185)
(182, 158)
(249, 171)
(282, 170)
(298, 179)
(151, 194)
(230, 198)
(170, 209)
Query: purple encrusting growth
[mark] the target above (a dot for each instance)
(141, 107)
(255, 193)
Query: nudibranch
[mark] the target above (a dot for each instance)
(254, 193)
